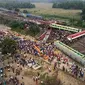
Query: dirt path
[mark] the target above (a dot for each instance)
(69, 80)
(26, 80)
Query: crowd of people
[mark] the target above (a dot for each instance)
(11, 79)
(28, 47)
(77, 71)
(47, 49)
(59, 35)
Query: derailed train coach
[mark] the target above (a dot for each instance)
(67, 28)
(34, 16)
(75, 55)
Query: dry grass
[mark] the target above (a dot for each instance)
(46, 8)
(30, 73)
(43, 5)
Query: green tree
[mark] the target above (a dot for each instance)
(83, 11)
(70, 5)
(25, 11)
(17, 10)
(83, 14)
(83, 17)
(12, 5)
(16, 24)
(34, 29)
(8, 46)
(55, 5)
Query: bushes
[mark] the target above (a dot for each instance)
(16, 24)
(19, 27)
(25, 11)
(33, 29)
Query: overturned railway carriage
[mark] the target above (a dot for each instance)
(47, 35)
(76, 35)
(77, 56)
(61, 27)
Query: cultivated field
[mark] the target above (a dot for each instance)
(46, 8)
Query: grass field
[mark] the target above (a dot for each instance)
(46, 8)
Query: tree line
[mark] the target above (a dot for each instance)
(83, 14)
(12, 5)
(70, 5)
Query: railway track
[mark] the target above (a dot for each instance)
(80, 43)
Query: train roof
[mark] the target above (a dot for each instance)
(28, 14)
(65, 27)
(69, 48)
(34, 15)
(79, 34)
